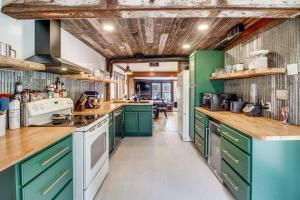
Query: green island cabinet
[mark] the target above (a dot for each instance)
(138, 120)
(201, 64)
(45, 175)
(255, 169)
(201, 133)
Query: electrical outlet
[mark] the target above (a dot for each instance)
(269, 105)
(282, 94)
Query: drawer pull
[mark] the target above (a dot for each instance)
(54, 156)
(231, 156)
(233, 138)
(52, 185)
(231, 183)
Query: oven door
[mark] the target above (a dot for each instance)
(95, 151)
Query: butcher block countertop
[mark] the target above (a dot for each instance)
(109, 106)
(258, 127)
(19, 144)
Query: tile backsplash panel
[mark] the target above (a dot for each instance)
(39, 80)
(283, 41)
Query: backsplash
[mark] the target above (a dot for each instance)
(284, 43)
(38, 81)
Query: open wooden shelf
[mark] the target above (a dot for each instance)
(88, 77)
(250, 73)
(8, 62)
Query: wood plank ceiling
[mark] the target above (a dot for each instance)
(151, 36)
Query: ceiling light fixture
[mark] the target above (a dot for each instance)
(108, 27)
(64, 69)
(151, 69)
(186, 46)
(127, 70)
(203, 27)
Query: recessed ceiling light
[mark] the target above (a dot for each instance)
(203, 27)
(64, 69)
(186, 46)
(151, 69)
(108, 27)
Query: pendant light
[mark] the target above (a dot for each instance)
(127, 70)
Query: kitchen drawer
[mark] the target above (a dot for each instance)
(236, 138)
(200, 116)
(200, 128)
(138, 108)
(200, 144)
(66, 193)
(240, 189)
(47, 185)
(34, 166)
(237, 159)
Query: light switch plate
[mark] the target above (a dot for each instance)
(282, 94)
(292, 69)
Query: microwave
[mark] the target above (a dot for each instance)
(217, 101)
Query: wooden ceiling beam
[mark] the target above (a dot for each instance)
(153, 74)
(62, 9)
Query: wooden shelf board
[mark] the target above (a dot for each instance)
(88, 77)
(251, 73)
(8, 62)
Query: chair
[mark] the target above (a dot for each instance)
(162, 107)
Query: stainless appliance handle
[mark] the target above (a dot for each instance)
(118, 113)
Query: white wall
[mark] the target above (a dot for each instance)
(76, 51)
(18, 33)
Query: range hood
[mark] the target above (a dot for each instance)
(48, 49)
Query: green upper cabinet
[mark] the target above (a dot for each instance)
(201, 65)
(145, 123)
(131, 123)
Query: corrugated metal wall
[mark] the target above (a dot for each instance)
(39, 80)
(284, 43)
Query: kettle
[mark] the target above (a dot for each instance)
(237, 106)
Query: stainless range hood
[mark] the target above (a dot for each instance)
(48, 49)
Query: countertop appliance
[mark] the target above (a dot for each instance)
(214, 148)
(182, 94)
(253, 110)
(90, 141)
(118, 120)
(217, 102)
(237, 106)
(92, 98)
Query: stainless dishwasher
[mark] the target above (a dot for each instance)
(118, 126)
(214, 148)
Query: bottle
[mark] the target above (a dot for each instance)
(58, 84)
(14, 113)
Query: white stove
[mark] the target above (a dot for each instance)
(90, 142)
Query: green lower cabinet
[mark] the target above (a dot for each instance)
(45, 175)
(200, 133)
(239, 188)
(49, 183)
(138, 121)
(145, 123)
(66, 193)
(131, 123)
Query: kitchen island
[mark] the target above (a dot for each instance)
(259, 156)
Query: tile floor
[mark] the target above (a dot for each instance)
(161, 167)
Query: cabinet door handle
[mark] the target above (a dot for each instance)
(53, 184)
(233, 138)
(231, 156)
(231, 182)
(54, 156)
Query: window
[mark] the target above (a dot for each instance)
(156, 90)
(167, 91)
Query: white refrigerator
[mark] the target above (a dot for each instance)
(182, 95)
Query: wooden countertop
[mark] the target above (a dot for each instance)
(19, 144)
(258, 127)
(108, 107)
